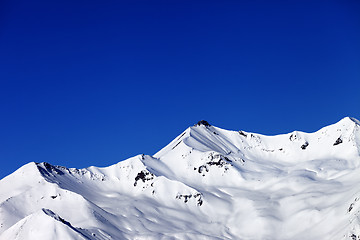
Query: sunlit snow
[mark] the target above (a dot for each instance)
(208, 183)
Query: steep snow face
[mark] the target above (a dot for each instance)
(208, 183)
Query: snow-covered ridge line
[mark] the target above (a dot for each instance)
(208, 183)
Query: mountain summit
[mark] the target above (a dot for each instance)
(208, 183)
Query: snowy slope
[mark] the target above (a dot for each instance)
(208, 183)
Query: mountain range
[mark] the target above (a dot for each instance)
(208, 183)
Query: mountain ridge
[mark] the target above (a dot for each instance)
(208, 183)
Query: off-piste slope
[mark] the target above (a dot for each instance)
(208, 183)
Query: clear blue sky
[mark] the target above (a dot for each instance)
(95, 82)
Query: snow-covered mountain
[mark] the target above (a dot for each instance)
(208, 183)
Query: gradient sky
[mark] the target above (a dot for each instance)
(95, 82)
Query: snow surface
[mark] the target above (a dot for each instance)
(208, 183)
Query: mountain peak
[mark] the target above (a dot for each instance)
(354, 120)
(349, 120)
(346, 123)
(203, 123)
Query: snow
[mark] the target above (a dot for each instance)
(208, 183)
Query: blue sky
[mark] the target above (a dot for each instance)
(92, 83)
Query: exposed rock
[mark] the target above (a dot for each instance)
(304, 146)
(203, 122)
(338, 141)
(187, 197)
(144, 175)
(242, 133)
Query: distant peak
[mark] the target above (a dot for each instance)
(203, 122)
